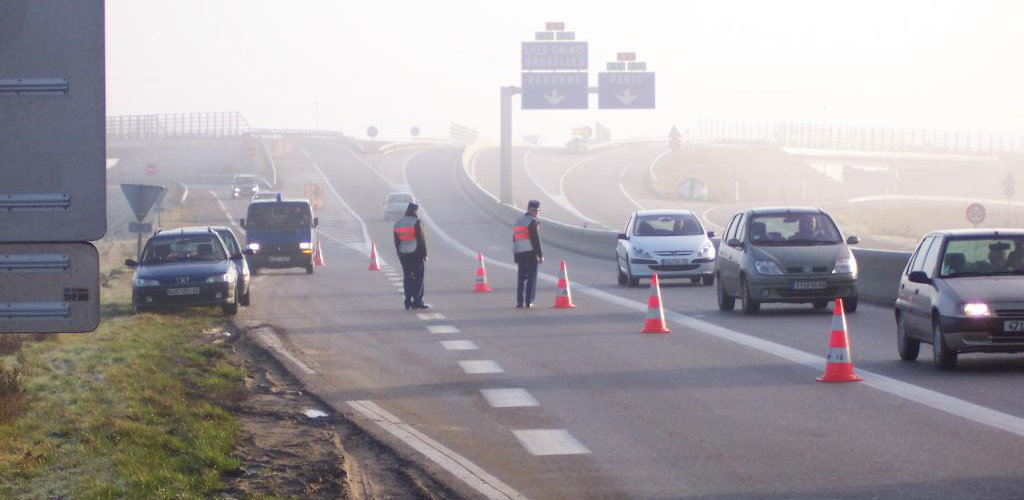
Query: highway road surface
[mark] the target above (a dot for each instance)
(553, 404)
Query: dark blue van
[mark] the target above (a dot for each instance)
(281, 233)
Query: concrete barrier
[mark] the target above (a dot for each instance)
(879, 269)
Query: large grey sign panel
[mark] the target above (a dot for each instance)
(49, 287)
(626, 90)
(554, 56)
(52, 125)
(552, 90)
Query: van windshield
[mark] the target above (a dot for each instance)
(793, 230)
(281, 215)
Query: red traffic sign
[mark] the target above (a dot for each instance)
(151, 169)
(554, 26)
(975, 213)
(372, 132)
(626, 56)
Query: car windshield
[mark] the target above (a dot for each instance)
(165, 250)
(245, 181)
(987, 256)
(667, 225)
(229, 240)
(399, 198)
(793, 230)
(282, 215)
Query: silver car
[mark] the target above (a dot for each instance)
(672, 243)
(785, 255)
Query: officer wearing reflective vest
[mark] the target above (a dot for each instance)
(412, 253)
(528, 254)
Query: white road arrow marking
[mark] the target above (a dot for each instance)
(554, 97)
(627, 97)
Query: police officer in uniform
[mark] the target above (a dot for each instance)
(528, 254)
(412, 253)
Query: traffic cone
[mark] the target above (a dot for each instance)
(655, 314)
(481, 276)
(564, 298)
(374, 265)
(318, 256)
(839, 367)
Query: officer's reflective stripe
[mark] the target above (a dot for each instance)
(405, 229)
(521, 235)
(406, 233)
(838, 355)
(521, 232)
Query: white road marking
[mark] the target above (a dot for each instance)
(430, 316)
(632, 200)
(550, 442)
(654, 163)
(508, 398)
(274, 342)
(365, 246)
(470, 473)
(443, 329)
(933, 399)
(224, 209)
(478, 366)
(459, 345)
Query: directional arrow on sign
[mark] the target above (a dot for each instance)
(627, 97)
(554, 97)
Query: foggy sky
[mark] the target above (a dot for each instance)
(395, 63)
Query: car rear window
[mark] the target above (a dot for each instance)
(399, 198)
(983, 256)
(282, 215)
(163, 250)
(667, 225)
(793, 229)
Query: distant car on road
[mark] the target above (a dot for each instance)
(395, 205)
(234, 249)
(962, 291)
(785, 255)
(264, 195)
(185, 267)
(672, 243)
(281, 233)
(245, 185)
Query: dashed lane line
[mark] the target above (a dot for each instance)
(430, 316)
(513, 397)
(443, 329)
(480, 366)
(550, 442)
(459, 345)
(478, 479)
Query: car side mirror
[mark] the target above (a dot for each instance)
(316, 221)
(241, 222)
(852, 240)
(919, 277)
(711, 234)
(734, 243)
(622, 236)
(131, 263)
(248, 251)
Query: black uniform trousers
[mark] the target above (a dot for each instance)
(413, 270)
(526, 281)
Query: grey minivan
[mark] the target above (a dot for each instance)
(792, 255)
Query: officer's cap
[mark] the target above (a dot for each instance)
(533, 205)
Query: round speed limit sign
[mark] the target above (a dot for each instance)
(975, 213)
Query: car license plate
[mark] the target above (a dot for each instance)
(675, 262)
(278, 258)
(809, 285)
(1016, 325)
(192, 290)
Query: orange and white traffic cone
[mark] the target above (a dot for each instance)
(564, 298)
(839, 367)
(481, 285)
(374, 264)
(655, 314)
(318, 256)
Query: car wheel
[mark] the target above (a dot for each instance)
(622, 276)
(630, 280)
(819, 304)
(230, 309)
(726, 302)
(708, 280)
(309, 268)
(850, 305)
(907, 347)
(945, 359)
(750, 306)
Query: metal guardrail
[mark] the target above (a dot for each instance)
(851, 138)
(282, 132)
(176, 125)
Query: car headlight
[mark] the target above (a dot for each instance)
(255, 247)
(305, 245)
(237, 189)
(219, 278)
(145, 282)
(845, 266)
(707, 251)
(768, 267)
(976, 310)
(640, 252)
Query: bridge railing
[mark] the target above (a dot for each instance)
(174, 125)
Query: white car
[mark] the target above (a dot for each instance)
(672, 243)
(395, 205)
